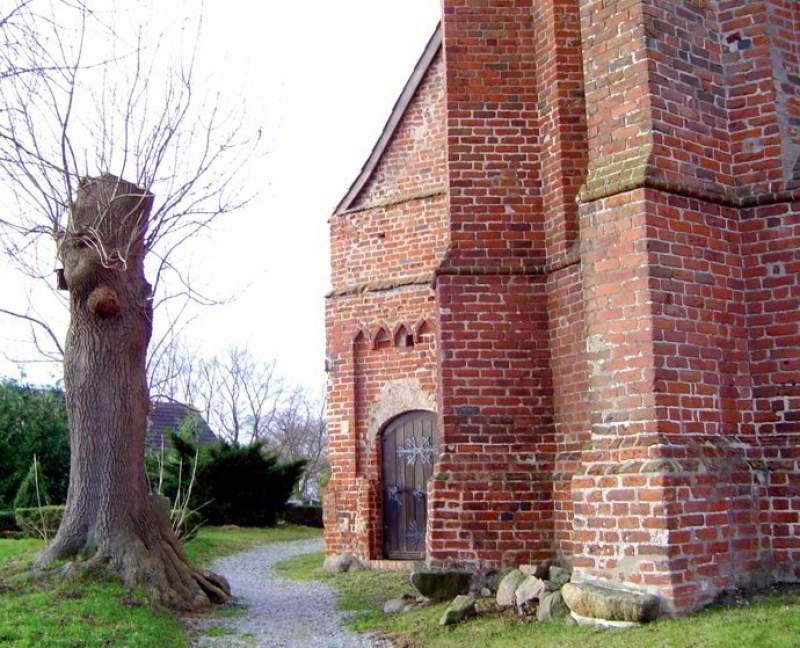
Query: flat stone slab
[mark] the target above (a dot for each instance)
(529, 590)
(590, 622)
(399, 604)
(508, 587)
(440, 585)
(462, 607)
(586, 600)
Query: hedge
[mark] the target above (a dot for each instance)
(304, 515)
(30, 520)
(8, 521)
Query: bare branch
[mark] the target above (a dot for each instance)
(43, 325)
(81, 98)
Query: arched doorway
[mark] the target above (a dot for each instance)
(409, 451)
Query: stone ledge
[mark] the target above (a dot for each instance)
(609, 177)
(382, 285)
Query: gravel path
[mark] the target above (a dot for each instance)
(276, 612)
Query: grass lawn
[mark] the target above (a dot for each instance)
(101, 612)
(770, 619)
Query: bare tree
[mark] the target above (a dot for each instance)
(244, 400)
(74, 121)
(243, 395)
(299, 431)
(238, 395)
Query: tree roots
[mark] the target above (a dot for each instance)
(159, 569)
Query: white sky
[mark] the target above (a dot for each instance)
(320, 77)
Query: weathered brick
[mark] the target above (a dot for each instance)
(616, 378)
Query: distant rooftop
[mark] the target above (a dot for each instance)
(169, 416)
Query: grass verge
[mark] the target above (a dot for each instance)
(770, 619)
(100, 612)
(215, 542)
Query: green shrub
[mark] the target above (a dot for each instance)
(33, 490)
(303, 515)
(8, 522)
(244, 485)
(33, 421)
(39, 522)
(234, 484)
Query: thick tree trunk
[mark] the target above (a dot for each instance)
(110, 519)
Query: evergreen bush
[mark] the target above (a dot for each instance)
(33, 421)
(39, 522)
(235, 484)
(8, 522)
(26, 496)
(303, 515)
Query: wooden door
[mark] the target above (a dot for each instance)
(409, 450)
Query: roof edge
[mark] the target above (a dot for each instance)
(396, 116)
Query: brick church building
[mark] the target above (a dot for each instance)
(565, 316)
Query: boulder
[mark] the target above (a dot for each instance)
(586, 600)
(441, 584)
(540, 570)
(461, 607)
(508, 586)
(341, 563)
(551, 606)
(399, 604)
(529, 591)
(495, 576)
(486, 579)
(419, 602)
(558, 576)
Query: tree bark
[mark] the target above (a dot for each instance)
(110, 519)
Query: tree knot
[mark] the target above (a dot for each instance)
(103, 302)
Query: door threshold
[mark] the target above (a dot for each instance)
(386, 564)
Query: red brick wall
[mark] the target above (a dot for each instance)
(763, 69)
(492, 143)
(562, 119)
(386, 243)
(616, 379)
(567, 342)
(687, 86)
(563, 150)
(490, 497)
(771, 254)
(382, 248)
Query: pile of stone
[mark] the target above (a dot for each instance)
(534, 590)
(542, 591)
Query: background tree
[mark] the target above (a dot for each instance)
(87, 103)
(244, 400)
(299, 431)
(33, 421)
(238, 395)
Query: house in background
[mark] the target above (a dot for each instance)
(171, 415)
(566, 284)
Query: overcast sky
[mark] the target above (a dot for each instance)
(320, 78)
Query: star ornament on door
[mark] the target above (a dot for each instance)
(413, 451)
